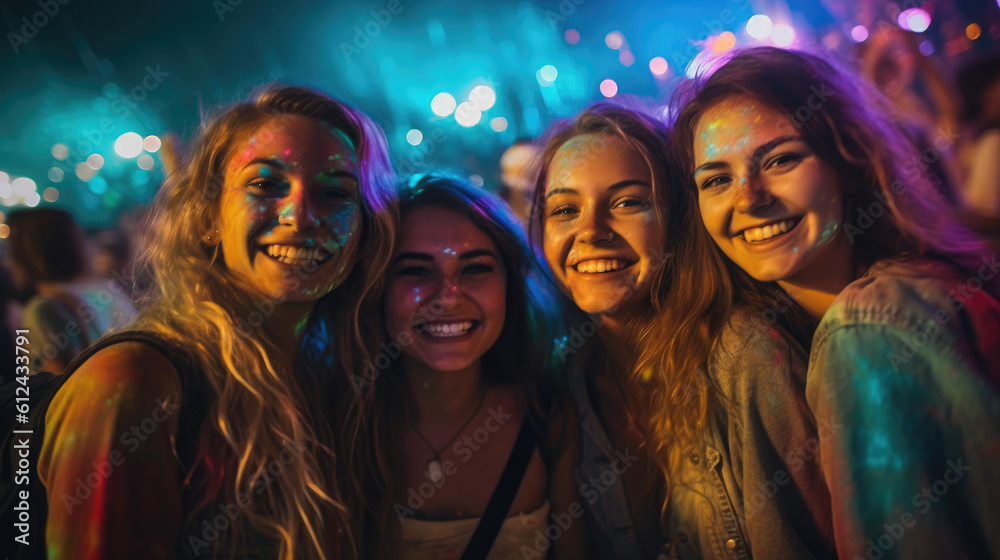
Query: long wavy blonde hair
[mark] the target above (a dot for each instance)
(259, 402)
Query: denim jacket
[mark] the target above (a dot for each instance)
(607, 508)
(753, 487)
(908, 360)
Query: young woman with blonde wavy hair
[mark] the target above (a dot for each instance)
(700, 385)
(206, 422)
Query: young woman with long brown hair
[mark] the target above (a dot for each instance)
(806, 186)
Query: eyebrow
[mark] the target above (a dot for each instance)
(464, 256)
(757, 154)
(613, 187)
(275, 162)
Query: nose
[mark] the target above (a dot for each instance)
(594, 228)
(298, 209)
(752, 195)
(450, 295)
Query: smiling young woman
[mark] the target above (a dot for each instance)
(682, 365)
(604, 240)
(460, 447)
(905, 362)
(261, 248)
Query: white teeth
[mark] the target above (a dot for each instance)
(446, 330)
(600, 265)
(768, 231)
(297, 255)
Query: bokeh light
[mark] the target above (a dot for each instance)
(658, 65)
(626, 58)
(973, 31)
(60, 151)
(51, 194)
(926, 48)
(477, 180)
(55, 174)
(98, 185)
(145, 161)
(859, 33)
(151, 143)
(782, 35)
(914, 19)
(467, 114)
(572, 36)
(84, 172)
(414, 137)
(22, 186)
(5, 189)
(725, 41)
(128, 145)
(548, 73)
(32, 199)
(498, 124)
(443, 104)
(609, 88)
(4, 178)
(95, 161)
(482, 97)
(4, 231)
(614, 40)
(759, 26)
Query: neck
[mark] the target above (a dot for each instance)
(443, 396)
(816, 289)
(286, 325)
(621, 350)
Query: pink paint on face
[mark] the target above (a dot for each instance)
(289, 218)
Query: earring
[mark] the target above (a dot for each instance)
(207, 238)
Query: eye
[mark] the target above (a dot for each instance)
(337, 194)
(784, 160)
(477, 268)
(263, 186)
(716, 181)
(630, 202)
(413, 270)
(564, 210)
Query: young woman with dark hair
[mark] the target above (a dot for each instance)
(455, 441)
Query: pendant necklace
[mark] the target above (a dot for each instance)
(434, 471)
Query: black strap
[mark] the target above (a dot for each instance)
(503, 495)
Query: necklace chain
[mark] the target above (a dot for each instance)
(437, 453)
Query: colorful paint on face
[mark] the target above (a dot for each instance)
(770, 203)
(289, 218)
(446, 290)
(602, 237)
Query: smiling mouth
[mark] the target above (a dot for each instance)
(290, 254)
(599, 266)
(447, 330)
(768, 232)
